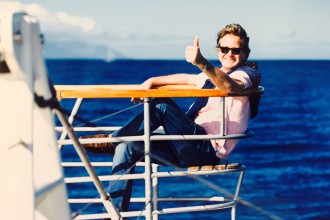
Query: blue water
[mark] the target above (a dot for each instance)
(288, 170)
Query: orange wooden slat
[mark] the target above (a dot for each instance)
(129, 91)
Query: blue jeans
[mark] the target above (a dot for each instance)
(178, 153)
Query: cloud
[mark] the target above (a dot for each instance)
(67, 35)
(86, 24)
(61, 21)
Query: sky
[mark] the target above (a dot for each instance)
(161, 29)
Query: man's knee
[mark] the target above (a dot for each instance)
(129, 149)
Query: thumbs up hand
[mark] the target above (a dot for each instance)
(193, 54)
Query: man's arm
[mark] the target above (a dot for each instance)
(173, 79)
(219, 78)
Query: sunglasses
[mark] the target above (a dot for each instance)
(225, 50)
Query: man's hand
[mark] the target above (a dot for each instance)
(193, 54)
(144, 86)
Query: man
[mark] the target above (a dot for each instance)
(233, 76)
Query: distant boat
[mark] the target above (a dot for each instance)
(111, 55)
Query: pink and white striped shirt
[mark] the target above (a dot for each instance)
(237, 114)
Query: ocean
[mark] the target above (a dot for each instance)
(287, 161)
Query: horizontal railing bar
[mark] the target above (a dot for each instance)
(98, 200)
(155, 175)
(158, 138)
(104, 178)
(95, 164)
(195, 208)
(103, 140)
(199, 137)
(194, 199)
(164, 211)
(81, 164)
(170, 199)
(109, 128)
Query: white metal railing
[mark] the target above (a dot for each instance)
(151, 173)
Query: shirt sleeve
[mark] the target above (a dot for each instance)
(199, 79)
(243, 77)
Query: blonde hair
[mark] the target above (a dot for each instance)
(237, 30)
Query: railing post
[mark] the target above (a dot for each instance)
(148, 191)
(74, 112)
(155, 190)
(238, 189)
(223, 116)
(89, 168)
